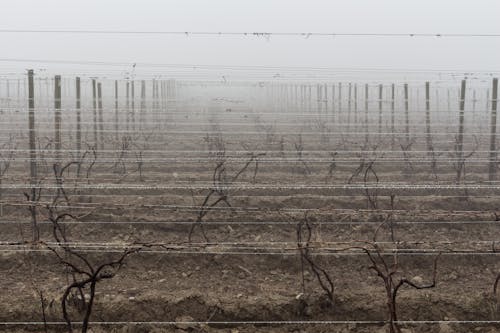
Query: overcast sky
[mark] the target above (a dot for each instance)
(347, 16)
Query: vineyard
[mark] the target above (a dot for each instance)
(152, 205)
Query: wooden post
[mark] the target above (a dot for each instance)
(380, 92)
(493, 131)
(487, 99)
(127, 105)
(132, 111)
(325, 87)
(172, 96)
(101, 117)
(94, 109)
(428, 119)
(460, 138)
(436, 105)
(8, 93)
(407, 115)
(474, 100)
(448, 98)
(162, 96)
(333, 103)
(356, 106)
(339, 118)
(117, 118)
(33, 167)
(366, 115)
(57, 118)
(319, 98)
(393, 134)
(143, 103)
(309, 98)
(349, 102)
(153, 104)
(78, 126)
(78, 119)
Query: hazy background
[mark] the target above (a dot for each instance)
(353, 16)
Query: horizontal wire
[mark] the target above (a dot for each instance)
(254, 245)
(193, 208)
(247, 34)
(247, 67)
(260, 133)
(309, 111)
(293, 223)
(359, 186)
(246, 153)
(233, 110)
(256, 323)
(243, 124)
(400, 252)
(436, 196)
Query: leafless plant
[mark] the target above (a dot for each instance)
(120, 167)
(84, 272)
(367, 170)
(301, 165)
(6, 157)
(388, 269)
(220, 190)
(33, 199)
(460, 158)
(332, 166)
(406, 148)
(304, 247)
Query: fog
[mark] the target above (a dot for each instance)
(403, 54)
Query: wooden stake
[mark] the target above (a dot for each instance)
(132, 111)
(428, 118)
(393, 97)
(460, 138)
(101, 117)
(493, 131)
(117, 117)
(143, 102)
(94, 108)
(380, 92)
(366, 115)
(33, 166)
(57, 118)
(78, 119)
(407, 115)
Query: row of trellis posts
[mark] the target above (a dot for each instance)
(98, 124)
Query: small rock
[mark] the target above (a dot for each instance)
(417, 280)
(184, 322)
(445, 328)
(131, 298)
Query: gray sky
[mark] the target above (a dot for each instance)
(347, 16)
